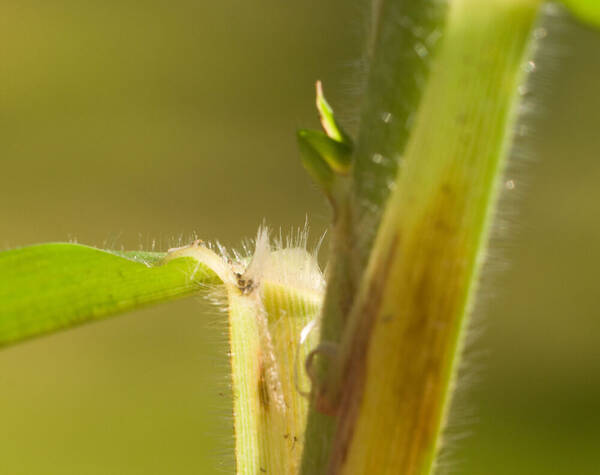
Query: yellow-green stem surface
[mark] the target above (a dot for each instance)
(273, 305)
(246, 371)
(404, 333)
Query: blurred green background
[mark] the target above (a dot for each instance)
(129, 124)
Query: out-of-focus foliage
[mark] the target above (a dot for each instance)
(586, 10)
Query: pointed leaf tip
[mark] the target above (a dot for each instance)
(330, 125)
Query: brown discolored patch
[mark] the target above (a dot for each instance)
(350, 391)
(429, 271)
(246, 286)
(263, 388)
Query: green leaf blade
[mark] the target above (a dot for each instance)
(48, 287)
